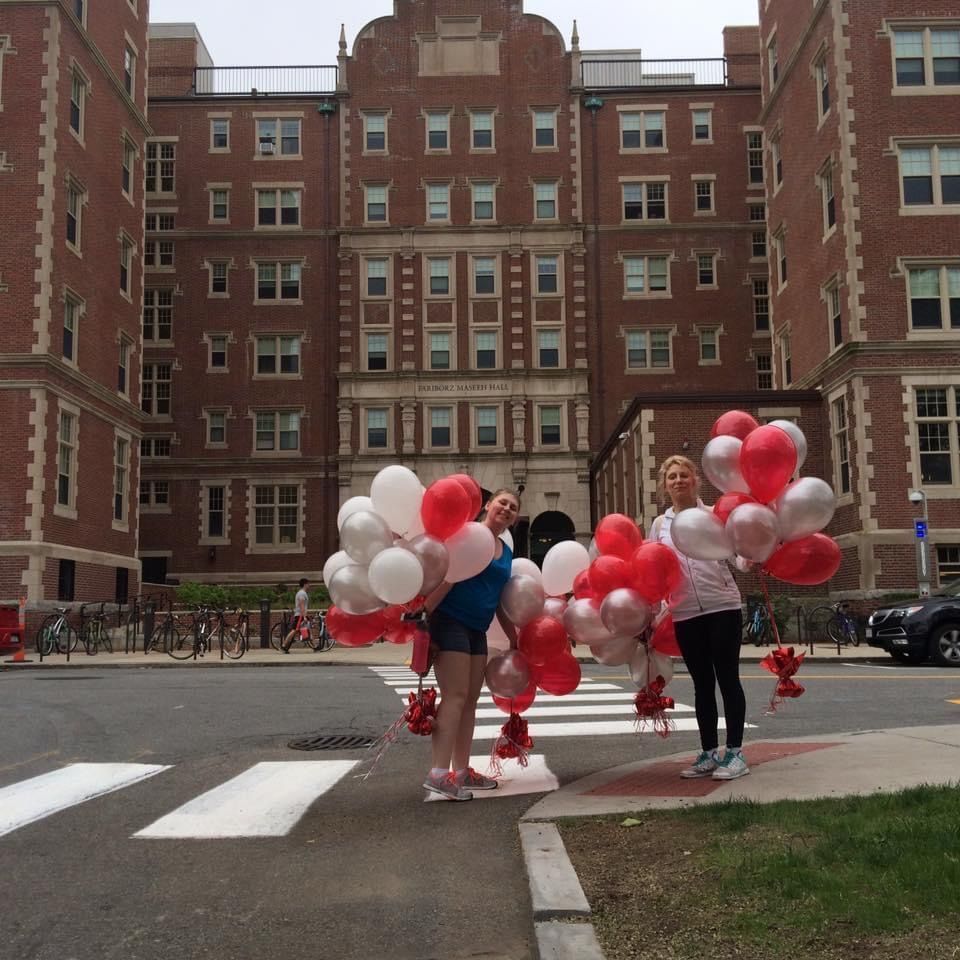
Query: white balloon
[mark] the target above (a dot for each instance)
(699, 534)
(350, 590)
(527, 568)
(806, 506)
(334, 562)
(471, 549)
(353, 505)
(721, 464)
(364, 534)
(796, 435)
(507, 538)
(396, 495)
(754, 530)
(638, 666)
(562, 563)
(395, 575)
(416, 529)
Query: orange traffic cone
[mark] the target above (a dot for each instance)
(19, 657)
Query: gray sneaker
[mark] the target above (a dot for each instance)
(703, 766)
(473, 780)
(731, 766)
(447, 786)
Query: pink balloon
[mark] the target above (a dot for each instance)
(806, 562)
(768, 459)
(618, 536)
(470, 549)
(445, 508)
(554, 607)
(508, 675)
(734, 423)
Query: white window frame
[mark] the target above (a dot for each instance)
(276, 192)
(368, 116)
(826, 184)
(368, 190)
(475, 334)
(494, 260)
(475, 445)
(212, 416)
(763, 367)
(834, 307)
(124, 364)
(937, 206)
(637, 119)
(840, 446)
(536, 115)
(546, 191)
(755, 152)
(944, 267)
(387, 410)
(72, 446)
(437, 121)
(387, 349)
(150, 447)
(483, 185)
(130, 70)
(431, 270)
(263, 137)
(258, 418)
(151, 385)
(437, 197)
(216, 190)
(704, 185)
(156, 300)
(428, 426)
(159, 255)
(821, 76)
(79, 94)
(639, 259)
(483, 112)
(535, 261)
(209, 339)
(952, 422)
(74, 308)
(76, 193)
(214, 121)
(121, 482)
(641, 338)
(128, 166)
(164, 167)
(708, 336)
(927, 28)
(786, 360)
(128, 252)
(367, 277)
(278, 341)
(150, 498)
(449, 333)
(279, 299)
(759, 297)
(276, 545)
(557, 331)
(562, 441)
(699, 256)
(701, 108)
(780, 246)
(629, 183)
(206, 537)
(214, 267)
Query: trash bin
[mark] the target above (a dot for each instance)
(264, 624)
(149, 609)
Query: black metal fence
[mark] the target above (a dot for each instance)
(267, 81)
(607, 74)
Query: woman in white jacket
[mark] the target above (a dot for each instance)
(706, 610)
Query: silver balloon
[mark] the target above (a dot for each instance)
(721, 464)
(805, 507)
(796, 435)
(434, 559)
(616, 651)
(659, 664)
(754, 530)
(582, 621)
(638, 666)
(350, 590)
(334, 562)
(625, 612)
(364, 534)
(700, 535)
(522, 599)
(554, 607)
(508, 675)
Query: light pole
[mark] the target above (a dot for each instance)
(922, 530)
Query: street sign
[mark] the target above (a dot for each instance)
(921, 528)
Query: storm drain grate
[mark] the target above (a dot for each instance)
(331, 742)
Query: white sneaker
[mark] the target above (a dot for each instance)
(731, 766)
(703, 766)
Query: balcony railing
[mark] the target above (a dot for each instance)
(607, 74)
(263, 81)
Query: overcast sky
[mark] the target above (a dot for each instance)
(239, 33)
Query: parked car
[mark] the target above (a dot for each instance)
(921, 629)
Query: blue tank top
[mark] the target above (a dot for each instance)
(474, 602)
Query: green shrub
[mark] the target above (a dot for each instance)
(229, 597)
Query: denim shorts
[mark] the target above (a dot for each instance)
(448, 634)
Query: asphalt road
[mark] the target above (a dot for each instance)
(369, 871)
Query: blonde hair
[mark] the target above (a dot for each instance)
(675, 459)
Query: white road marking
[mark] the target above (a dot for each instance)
(587, 729)
(591, 710)
(32, 800)
(536, 777)
(265, 801)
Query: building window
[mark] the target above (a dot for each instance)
(376, 203)
(761, 304)
(547, 270)
(786, 363)
(840, 444)
(155, 389)
(160, 222)
(484, 276)
(702, 126)
(834, 316)
(549, 426)
(438, 130)
(289, 145)
(828, 200)
(219, 206)
(439, 351)
(440, 421)
(481, 129)
(822, 73)
(709, 347)
(758, 213)
(376, 351)
(220, 134)
(643, 130)
(485, 346)
(78, 102)
(278, 281)
(438, 202)
(154, 494)
(74, 214)
(548, 349)
(930, 175)
(544, 128)
(773, 62)
(486, 419)
(154, 448)
(278, 356)
(758, 244)
(277, 515)
(129, 70)
(376, 429)
(483, 195)
(126, 167)
(79, 9)
(158, 315)
(375, 132)
(66, 459)
(160, 172)
(376, 268)
(217, 356)
(764, 368)
(948, 563)
(646, 276)
(216, 513)
(706, 269)
(777, 158)
(120, 470)
(644, 201)
(780, 243)
(123, 366)
(934, 297)
(703, 196)
(216, 428)
(648, 349)
(545, 196)
(927, 57)
(126, 262)
(219, 271)
(278, 208)
(158, 255)
(277, 430)
(439, 270)
(755, 158)
(937, 415)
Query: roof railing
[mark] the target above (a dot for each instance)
(607, 74)
(264, 81)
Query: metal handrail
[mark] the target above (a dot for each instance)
(610, 73)
(264, 81)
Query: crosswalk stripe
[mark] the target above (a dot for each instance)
(586, 729)
(265, 801)
(39, 797)
(591, 710)
(536, 777)
(404, 688)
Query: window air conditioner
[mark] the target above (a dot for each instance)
(266, 146)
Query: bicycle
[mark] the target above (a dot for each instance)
(313, 634)
(206, 624)
(55, 633)
(757, 628)
(94, 632)
(833, 625)
(234, 640)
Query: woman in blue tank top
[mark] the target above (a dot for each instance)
(460, 614)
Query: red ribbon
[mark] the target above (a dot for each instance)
(419, 716)
(783, 663)
(514, 743)
(652, 706)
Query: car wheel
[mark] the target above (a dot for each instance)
(945, 645)
(905, 656)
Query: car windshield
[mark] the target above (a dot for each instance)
(951, 589)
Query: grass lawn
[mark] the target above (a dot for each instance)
(859, 878)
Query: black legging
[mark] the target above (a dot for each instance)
(710, 645)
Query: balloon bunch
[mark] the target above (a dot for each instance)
(763, 517)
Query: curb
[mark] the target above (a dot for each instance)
(93, 662)
(560, 908)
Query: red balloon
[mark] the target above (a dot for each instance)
(729, 502)
(581, 585)
(559, 676)
(733, 423)
(812, 560)
(473, 491)
(542, 639)
(656, 571)
(351, 630)
(664, 637)
(609, 573)
(768, 459)
(445, 508)
(395, 628)
(518, 704)
(618, 536)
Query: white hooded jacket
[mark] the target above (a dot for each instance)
(707, 585)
